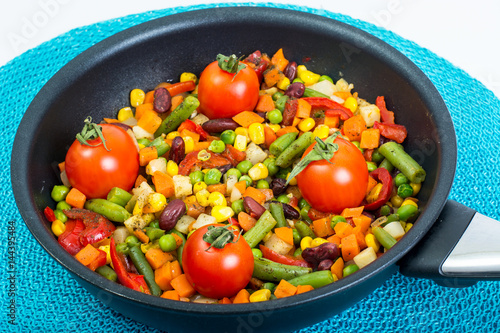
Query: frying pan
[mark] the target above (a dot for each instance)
(98, 82)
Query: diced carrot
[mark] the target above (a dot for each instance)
(75, 198)
(243, 296)
(246, 221)
(157, 258)
(371, 184)
(149, 121)
(265, 103)
(171, 294)
(180, 87)
(99, 261)
(349, 246)
(241, 186)
(343, 229)
(178, 239)
(303, 109)
(335, 239)
(111, 120)
(62, 166)
(332, 121)
(353, 127)
(338, 267)
(363, 222)
(246, 118)
(304, 288)
(139, 180)
(255, 194)
(195, 210)
(140, 109)
(267, 192)
(370, 138)
(201, 145)
(351, 212)
(87, 254)
(176, 101)
(225, 300)
(270, 136)
(322, 227)
(195, 136)
(182, 286)
(175, 268)
(221, 188)
(279, 60)
(141, 235)
(163, 276)
(285, 289)
(164, 184)
(296, 121)
(285, 130)
(147, 154)
(360, 238)
(150, 97)
(272, 76)
(285, 233)
(342, 94)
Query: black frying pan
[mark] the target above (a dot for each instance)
(98, 82)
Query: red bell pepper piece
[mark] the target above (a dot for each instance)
(127, 279)
(180, 87)
(387, 116)
(383, 176)
(191, 160)
(97, 227)
(70, 238)
(233, 155)
(343, 113)
(315, 214)
(233, 221)
(326, 104)
(290, 111)
(282, 259)
(259, 65)
(392, 131)
(142, 283)
(100, 261)
(193, 127)
(368, 153)
(49, 214)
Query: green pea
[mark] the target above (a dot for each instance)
(336, 219)
(303, 203)
(244, 166)
(405, 190)
(385, 210)
(217, 146)
(297, 252)
(371, 166)
(283, 198)
(304, 213)
(283, 172)
(357, 144)
(280, 103)
(392, 218)
(400, 179)
(196, 176)
(325, 78)
(297, 80)
(262, 184)
(269, 286)
(212, 177)
(154, 224)
(132, 241)
(296, 237)
(63, 205)
(60, 215)
(277, 95)
(377, 157)
(348, 270)
(275, 116)
(257, 253)
(234, 172)
(167, 243)
(407, 211)
(228, 137)
(272, 168)
(238, 206)
(59, 192)
(247, 179)
(123, 248)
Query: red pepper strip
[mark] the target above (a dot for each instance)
(387, 116)
(233, 221)
(383, 176)
(254, 58)
(70, 238)
(392, 131)
(215, 160)
(193, 127)
(99, 261)
(258, 64)
(180, 87)
(141, 281)
(325, 104)
(282, 259)
(343, 113)
(124, 277)
(233, 155)
(188, 163)
(49, 214)
(97, 227)
(368, 153)
(290, 111)
(315, 214)
(260, 69)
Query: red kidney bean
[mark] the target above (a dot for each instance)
(162, 100)
(171, 214)
(278, 185)
(178, 151)
(224, 168)
(325, 264)
(220, 125)
(296, 90)
(291, 70)
(290, 212)
(253, 208)
(314, 255)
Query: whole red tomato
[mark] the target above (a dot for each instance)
(94, 171)
(224, 94)
(331, 187)
(217, 272)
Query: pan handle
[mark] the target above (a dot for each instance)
(462, 247)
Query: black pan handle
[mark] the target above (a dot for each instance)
(462, 247)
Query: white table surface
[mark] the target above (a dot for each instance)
(463, 32)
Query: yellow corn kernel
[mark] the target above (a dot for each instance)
(188, 144)
(396, 201)
(202, 197)
(242, 131)
(321, 131)
(305, 243)
(222, 213)
(416, 188)
(125, 113)
(240, 142)
(217, 199)
(275, 127)
(157, 201)
(140, 146)
(351, 103)
(172, 168)
(301, 69)
(173, 135)
(190, 200)
(105, 248)
(372, 242)
(408, 227)
(318, 241)
(292, 181)
(58, 227)
(139, 205)
(306, 124)
(374, 193)
(260, 295)
(137, 97)
(258, 171)
(283, 83)
(267, 236)
(308, 77)
(197, 187)
(186, 76)
(256, 133)
(409, 202)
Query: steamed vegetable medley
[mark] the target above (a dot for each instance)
(259, 180)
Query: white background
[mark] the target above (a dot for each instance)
(463, 32)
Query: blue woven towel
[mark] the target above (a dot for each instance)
(48, 299)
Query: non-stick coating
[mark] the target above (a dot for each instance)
(98, 83)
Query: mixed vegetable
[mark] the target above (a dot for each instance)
(260, 180)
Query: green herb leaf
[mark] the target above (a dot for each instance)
(230, 64)
(91, 131)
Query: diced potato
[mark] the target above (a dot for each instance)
(183, 224)
(135, 222)
(325, 87)
(370, 114)
(203, 220)
(235, 195)
(278, 245)
(343, 85)
(395, 229)
(130, 122)
(120, 234)
(142, 193)
(140, 133)
(255, 154)
(365, 257)
(159, 164)
(200, 119)
(182, 186)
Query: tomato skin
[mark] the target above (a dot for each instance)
(217, 273)
(333, 187)
(224, 95)
(94, 171)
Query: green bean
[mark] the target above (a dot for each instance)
(161, 146)
(304, 214)
(272, 271)
(405, 163)
(308, 92)
(265, 224)
(280, 102)
(107, 272)
(296, 238)
(384, 237)
(316, 279)
(276, 210)
(154, 233)
(407, 211)
(119, 196)
(295, 150)
(304, 229)
(386, 165)
(144, 268)
(108, 209)
(392, 218)
(281, 143)
(180, 249)
(180, 114)
(298, 251)
(59, 192)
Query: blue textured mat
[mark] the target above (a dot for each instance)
(47, 299)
